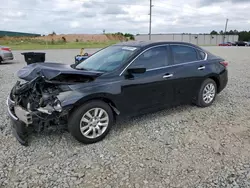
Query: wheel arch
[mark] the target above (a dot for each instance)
(99, 97)
(217, 81)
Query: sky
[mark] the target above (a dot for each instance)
(131, 16)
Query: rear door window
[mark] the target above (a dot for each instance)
(183, 54)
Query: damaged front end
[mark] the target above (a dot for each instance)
(34, 105)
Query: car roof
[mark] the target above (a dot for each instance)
(142, 44)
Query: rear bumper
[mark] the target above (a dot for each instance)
(19, 128)
(223, 77)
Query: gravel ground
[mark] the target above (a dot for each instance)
(182, 147)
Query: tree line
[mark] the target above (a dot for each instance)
(128, 35)
(243, 35)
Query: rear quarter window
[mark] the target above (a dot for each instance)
(202, 55)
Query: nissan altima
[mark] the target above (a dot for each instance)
(119, 81)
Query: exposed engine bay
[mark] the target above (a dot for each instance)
(37, 105)
(37, 95)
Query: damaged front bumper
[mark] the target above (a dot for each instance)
(23, 121)
(20, 119)
(39, 105)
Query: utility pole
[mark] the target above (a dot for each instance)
(225, 31)
(150, 19)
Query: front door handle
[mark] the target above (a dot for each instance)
(168, 76)
(201, 68)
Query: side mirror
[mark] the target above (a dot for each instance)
(136, 70)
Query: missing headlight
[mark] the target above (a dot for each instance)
(21, 81)
(57, 106)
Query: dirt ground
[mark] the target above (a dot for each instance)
(82, 37)
(72, 38)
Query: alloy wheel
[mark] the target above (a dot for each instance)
(208, 93)
(94, 123)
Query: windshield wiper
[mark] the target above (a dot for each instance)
(81, 69)
(90, 70)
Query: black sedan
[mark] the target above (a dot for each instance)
(122, 80)
(240, 43)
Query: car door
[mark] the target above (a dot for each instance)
(188, 69)
(151, 89)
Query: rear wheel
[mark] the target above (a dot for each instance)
(91, 122)
(207, 93)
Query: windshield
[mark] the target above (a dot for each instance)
(107, 59)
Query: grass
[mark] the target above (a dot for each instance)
(40, 45)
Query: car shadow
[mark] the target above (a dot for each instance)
(120, 126)
(8, 62)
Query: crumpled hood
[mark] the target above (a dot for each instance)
(51, 70)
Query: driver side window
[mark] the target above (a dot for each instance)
(153, 58)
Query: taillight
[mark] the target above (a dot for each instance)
(6, 49)
(224, 63)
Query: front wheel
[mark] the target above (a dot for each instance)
(207, 93)
(91, 122)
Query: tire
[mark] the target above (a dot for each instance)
(75, 122)
(201, 102)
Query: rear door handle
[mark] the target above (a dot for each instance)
(201, 68)
(168, 76)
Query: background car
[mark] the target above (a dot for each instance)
(119, 81)
(5, 54)
(248, 43)
(226, 44)
(241, 43)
